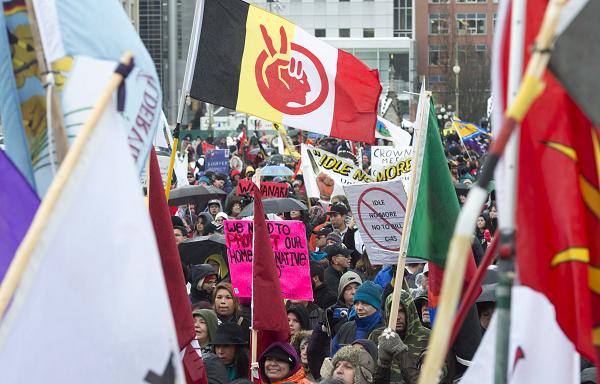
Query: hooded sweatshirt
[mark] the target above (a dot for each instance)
(296, 374)
(197, 274)
(415, 337)
(212, 323)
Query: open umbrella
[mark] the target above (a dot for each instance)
(205, 249)
(276, 170)
(197, 194)
(285, 204)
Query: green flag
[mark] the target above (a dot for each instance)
(435, 205)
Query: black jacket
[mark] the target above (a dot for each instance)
(324, 296)
(332, 277)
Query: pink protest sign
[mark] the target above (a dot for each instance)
(288, 239)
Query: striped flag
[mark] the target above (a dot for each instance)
(250, 60)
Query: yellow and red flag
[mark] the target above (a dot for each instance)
(245, 58)
(558, 206)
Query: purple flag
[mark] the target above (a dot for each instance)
(18, 204)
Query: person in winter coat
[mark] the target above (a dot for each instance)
(227, 308)
(298, 319)
(401, 352)
(340, 311)
(350, 365)
(300, 343)
(205, 324)
(323, 295)
(279, 363)
(367, 303)
(339, 262)
(230, 346)
(203, 278)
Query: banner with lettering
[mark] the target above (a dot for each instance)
(325, 174)
(288, 239)
(267, 189)
(217, 160)
(389, 163)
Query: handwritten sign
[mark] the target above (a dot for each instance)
(288, 239)
(267, 189)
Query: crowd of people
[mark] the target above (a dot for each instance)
(342, 335)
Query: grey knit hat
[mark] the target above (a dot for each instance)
(361, 360)
(347, 279)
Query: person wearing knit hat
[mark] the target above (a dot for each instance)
(350, 365)
(367, 303)
(334, 238)
(349, 283)
(205, 324)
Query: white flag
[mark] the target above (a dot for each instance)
(539, 352)
(92, 306)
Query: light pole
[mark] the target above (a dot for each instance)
(456, 70)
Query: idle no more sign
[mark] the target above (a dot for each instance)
(379, 210)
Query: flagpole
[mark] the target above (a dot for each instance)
(407, 217)
(529, 90)
(185, 90)
(254, 335)
(21, 260)
(507, 220)
(454, 123)
(55, 122)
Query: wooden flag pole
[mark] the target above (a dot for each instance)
(254, 341)
(21, 260)
(407, 221)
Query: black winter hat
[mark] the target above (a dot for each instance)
(229, 334)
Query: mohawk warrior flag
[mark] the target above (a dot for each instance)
(245, 58)
(557, 212)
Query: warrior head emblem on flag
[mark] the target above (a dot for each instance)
(292, 80)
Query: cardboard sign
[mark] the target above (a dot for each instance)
(288, 239)
(379, 210)
(267, 189)
(217, 160)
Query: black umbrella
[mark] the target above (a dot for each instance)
(285, 204)
(205, 249)
(197, 194)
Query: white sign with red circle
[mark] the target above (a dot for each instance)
(379, 210)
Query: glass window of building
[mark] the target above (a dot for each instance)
(438, 55)
(433, 79)
(368, 32)
(320, 32)
(438, 24)
(344, 32)
(438, 1)
(471, 23)
(403, 18)
(471, 1)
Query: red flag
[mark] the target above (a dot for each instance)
(558, 209)
(269, 316)
(173, 273)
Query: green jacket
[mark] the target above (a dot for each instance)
(405, 369)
